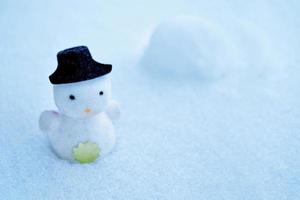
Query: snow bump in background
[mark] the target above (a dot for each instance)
(188, 47)
(197, 48)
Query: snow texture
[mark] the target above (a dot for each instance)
(208, 127)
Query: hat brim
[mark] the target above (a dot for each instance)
(91, 71)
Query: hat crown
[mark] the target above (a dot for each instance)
(74, 56)
(76, 64)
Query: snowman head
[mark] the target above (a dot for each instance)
(83, 99)
(82, 85)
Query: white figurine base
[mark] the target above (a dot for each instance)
(82, 130)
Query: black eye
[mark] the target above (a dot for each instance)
(72, 97)
(101, 93)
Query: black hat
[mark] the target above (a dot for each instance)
(76, 64)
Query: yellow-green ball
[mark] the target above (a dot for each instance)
(86, 152)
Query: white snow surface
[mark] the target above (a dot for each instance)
(204, 125)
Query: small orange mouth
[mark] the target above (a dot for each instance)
(87, 110)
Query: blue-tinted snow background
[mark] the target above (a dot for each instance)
(209, 92)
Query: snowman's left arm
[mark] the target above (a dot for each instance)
(113, 110)
(49, 120)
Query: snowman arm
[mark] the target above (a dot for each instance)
(49, 120)
(113, 110)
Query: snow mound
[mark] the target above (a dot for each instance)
(188, 47)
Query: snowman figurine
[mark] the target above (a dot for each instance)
(82, 130)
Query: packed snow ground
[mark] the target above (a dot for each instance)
(184, 133)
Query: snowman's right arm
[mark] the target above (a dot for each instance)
(113, 111)
(49, 121)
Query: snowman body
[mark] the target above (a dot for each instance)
(71, 132)
(82, 130)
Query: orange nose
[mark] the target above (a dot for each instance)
(87, 110)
